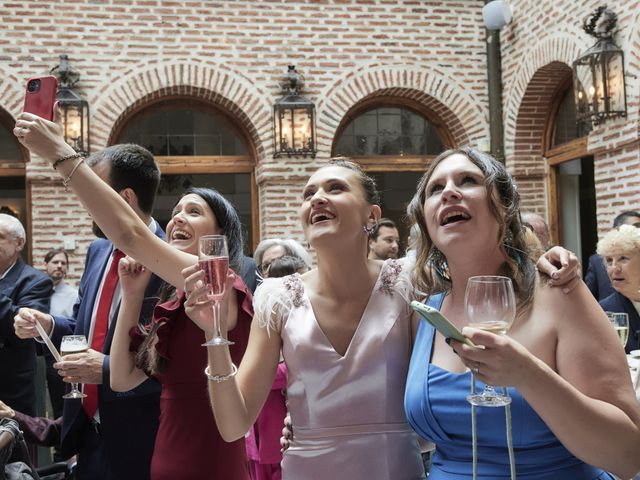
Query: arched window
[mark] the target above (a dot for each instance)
(565, 128)
(184, 130)
(394, 139)
(388, 131)
(196, 144)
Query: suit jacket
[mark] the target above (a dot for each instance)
(23, 286)
(597, 279)
(128, 420)
(248, 273)
(618, 303)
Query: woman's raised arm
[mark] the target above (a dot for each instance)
(109, 210)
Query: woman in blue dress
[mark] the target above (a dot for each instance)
(573, 403)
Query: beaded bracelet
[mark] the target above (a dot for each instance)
(221, 378)
(66, 181)
(65, 158)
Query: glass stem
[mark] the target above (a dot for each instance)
(217, 330)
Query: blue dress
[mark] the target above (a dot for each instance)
(437, 409)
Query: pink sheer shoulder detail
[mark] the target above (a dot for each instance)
(395, 278)
(275, 298)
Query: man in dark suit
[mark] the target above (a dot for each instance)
(596, 277)
(20, 286)
(114, 436)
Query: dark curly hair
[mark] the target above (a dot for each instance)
(431, 275)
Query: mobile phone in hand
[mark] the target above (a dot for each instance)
(440, 322)
(40, 96)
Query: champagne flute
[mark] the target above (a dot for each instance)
(213, 258)
(73, 344)
(490, 305)
(620, 322)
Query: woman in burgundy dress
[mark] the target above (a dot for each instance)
(188, 445)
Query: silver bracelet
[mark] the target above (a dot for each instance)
(66, 181)
(221, 378)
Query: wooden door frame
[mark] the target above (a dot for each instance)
(555, 156)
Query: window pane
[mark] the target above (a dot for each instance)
(565, 128)
(172, 129)
(389, 131)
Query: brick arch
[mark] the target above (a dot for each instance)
(547, 60)
(225, 88)
(534, 115)
(461, 114)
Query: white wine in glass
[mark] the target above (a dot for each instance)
(490, 305)
(73, 344)
(620, 322)
(213, 258)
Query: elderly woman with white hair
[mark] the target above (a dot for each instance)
(272, 248)
(620, 249)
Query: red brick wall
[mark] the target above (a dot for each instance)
(539, 45)
(234, 54)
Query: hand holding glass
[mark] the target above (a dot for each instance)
(73, 344)
(490, 305)
(213, 258)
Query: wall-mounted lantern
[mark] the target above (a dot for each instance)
(74, 109)
(599, 72)
(294, 120)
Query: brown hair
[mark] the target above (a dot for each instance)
(368, 183)
(431, 272)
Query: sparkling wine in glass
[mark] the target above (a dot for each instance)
(490, 304)
(213, 258)
(73, 344)
(620, 322)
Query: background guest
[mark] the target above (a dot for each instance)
(384, 240)
(272, 248)
(21, 286)
(64, 296)
(620, 249)
(539, 227)
(596, 277)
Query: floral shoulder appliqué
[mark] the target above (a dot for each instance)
(275, 298)
(295, 289)
(389, 276)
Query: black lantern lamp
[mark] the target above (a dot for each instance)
(74, 109)
(294, 120)
(598, 73)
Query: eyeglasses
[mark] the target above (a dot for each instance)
(263, 268)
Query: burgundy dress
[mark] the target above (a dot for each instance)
(188, 445)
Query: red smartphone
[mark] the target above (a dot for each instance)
(40, 96)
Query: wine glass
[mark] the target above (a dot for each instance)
(620, 322)
(213, 258)
(490, 305)
(73, 344)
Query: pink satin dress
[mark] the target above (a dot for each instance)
(347, 411)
